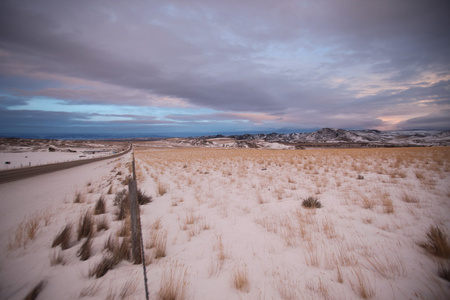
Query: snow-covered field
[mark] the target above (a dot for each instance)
(229, 224)
(25, 153)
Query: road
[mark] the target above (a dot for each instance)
(22, 173)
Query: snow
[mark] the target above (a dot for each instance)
(226, 211)
(31, 158)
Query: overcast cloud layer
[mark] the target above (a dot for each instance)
(202, 66)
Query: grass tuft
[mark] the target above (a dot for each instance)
(63, 238)
(79, 198)
(173, 283)
(408, 198)
(128, 288)
(444, 271)
(437, 243)
(85, 250)
(121, 201)
(240, 280)
(159, 242)
(143, 198)
(311, 202)
(102, 224)
(100, 206)
(57, 258)
(85, 226)
(107, 263)
(117, 251)
(34, 293)
(162, 189)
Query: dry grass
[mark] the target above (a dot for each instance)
(409, 198)
(91, 290)
(240, 279)
(128, 288)
(311, 202)
(57, 258)
(444, 271)
(32, 225)
(85, 226)
(388, 205)
(162, 189)
(79, 198)
(37, 289)
(174, 281)
(84, 253)
(117, 251)
(333, 242)
(329, 228)
(390, 266)
(63, 238)
(120, 248)
(100, 206)
(102, 224)
(107, 263)
(217, 263)
(25, 231)
(125, 229)
(437, 242)
(158, 243)
(143, 198)
(361, 285)
(121, 200)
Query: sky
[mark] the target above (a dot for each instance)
(197, 67)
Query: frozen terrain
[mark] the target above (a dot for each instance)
(229, 224)
(18, 153)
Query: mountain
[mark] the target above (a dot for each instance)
(329, 137)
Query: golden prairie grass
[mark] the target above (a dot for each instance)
(388, 265)
(408, 197)
(240, 278)
(174, 282)
(437, 242)
(388, 205)
(26, 230)
(158, 242)
(217, 262)
(162, 189)
(361, 285)
(291, 176)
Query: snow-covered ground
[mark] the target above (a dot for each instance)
(27, 159)
(38, 153)
(229, 224)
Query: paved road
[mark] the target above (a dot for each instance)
(22, 173)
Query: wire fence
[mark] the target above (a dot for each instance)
(137, 243)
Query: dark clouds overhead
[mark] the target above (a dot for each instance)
(267, 64)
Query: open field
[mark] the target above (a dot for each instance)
(229, 224)
(235, 227)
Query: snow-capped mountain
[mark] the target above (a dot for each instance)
(370, 137)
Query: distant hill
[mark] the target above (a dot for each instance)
(328, 137)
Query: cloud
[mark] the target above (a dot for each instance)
(439, 121)
(349, 62)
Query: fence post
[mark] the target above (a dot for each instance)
(135, 226)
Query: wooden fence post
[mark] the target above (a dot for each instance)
(135, 226)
